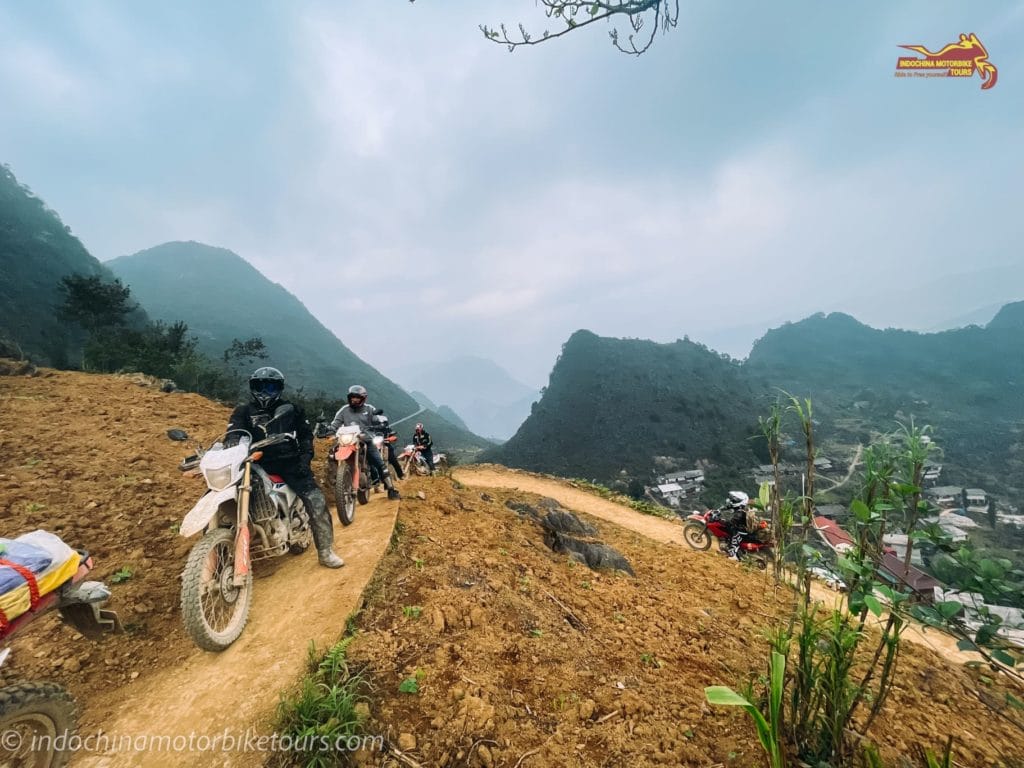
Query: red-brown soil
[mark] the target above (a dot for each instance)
(522, 652)
(88, 457)
(505, 678)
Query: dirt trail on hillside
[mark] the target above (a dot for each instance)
(494, 476)
(87, 457)
(295, 602)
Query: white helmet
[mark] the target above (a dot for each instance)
(737, 500)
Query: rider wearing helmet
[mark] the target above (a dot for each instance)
(360, 413)
(383, 428)
(421, 439)
(737, 504)
(291, 460)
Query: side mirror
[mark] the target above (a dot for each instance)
(282, 411)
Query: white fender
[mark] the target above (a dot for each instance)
(203, 512)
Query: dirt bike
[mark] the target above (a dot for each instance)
(386, 446)
(38, 720)
(413, 462)
(700, 527)
(247, 515)
(348, 472)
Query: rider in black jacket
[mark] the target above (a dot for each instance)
(421, 439)
(289, 460)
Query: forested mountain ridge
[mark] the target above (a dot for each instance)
(36, 250)
(625, 409)
(613, 405)
(222, 297)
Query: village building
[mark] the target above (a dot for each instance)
(977, 499)
(944, 495)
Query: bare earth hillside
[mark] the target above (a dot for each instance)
(521, 656)
(524, 657)
(88, 457)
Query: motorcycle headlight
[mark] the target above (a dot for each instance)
(348, 439)
(218, 478)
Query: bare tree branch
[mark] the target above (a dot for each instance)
(665, 15)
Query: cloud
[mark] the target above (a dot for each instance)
(34, 73)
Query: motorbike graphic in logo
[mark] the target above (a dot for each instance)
(960, 59)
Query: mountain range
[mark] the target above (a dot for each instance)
(223, 297)
(617, 410)
(488, 398)
(36, 250)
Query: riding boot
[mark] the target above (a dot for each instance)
(393, 493)
(323, 530)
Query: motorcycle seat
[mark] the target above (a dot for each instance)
(275, 478)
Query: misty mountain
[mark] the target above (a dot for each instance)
(488, 398)
(36, 250)
(967, 383)
(613, 405)
(1010, 317)
(423, 400)
(222, 297)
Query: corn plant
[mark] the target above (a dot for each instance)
(769, 731)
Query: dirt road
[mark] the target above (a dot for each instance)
(88, 457)
(659, 530)
(295, 602)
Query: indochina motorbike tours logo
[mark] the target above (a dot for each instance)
(960, 59)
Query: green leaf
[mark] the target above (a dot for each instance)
(872, 603)
(724, 696)
(985, 634)
(949, 609)
(860, 510)
(966, 645)
(1003, 657)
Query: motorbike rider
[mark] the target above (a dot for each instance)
(421, 439)
(360, 413)
(390, 436)
(736, 507)
(290, 461)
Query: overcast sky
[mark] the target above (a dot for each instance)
(407, 179)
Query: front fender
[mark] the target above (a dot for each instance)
(203, 512)
(342, 452)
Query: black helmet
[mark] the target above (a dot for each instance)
(357, 394)
(266, 385)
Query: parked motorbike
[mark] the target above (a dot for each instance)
(700, 527)
(247, 515)
(37, 719)
(413, 462)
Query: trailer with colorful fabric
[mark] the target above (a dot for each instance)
(33, 567)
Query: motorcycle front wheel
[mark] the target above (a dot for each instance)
(697, 536)
(344, 494)
(213, 608)
(35, 719)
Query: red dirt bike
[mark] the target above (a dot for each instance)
(37, 720)
(700, 527)
(348, 471)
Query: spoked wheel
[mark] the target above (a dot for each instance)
(213, 608)
(35, 719)
(344, 494)
(696, 535)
